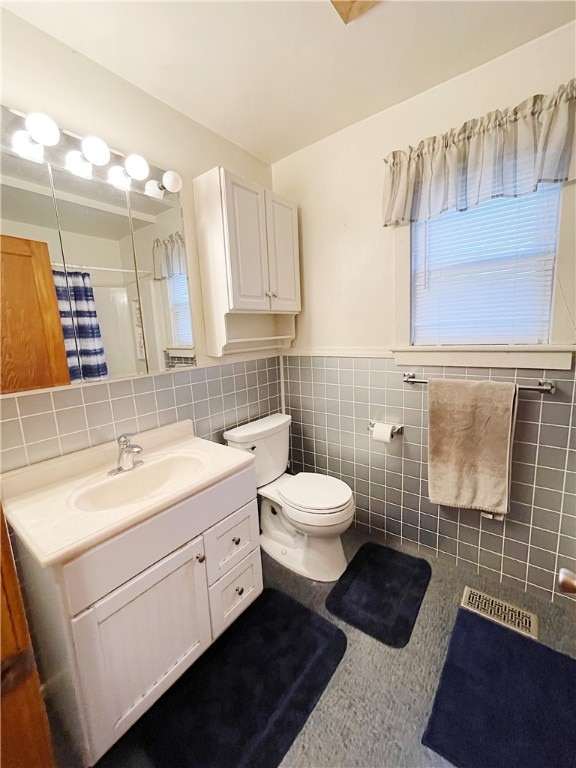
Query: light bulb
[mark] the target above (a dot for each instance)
(25, 147)
(153, 189)
(42, 129)
(95, 150)
(77, 164)
(136, 167)
(171, 181)
(118, 177)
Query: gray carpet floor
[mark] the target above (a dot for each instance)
(376, 706)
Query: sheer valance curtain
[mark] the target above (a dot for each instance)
(169, 256)
(505, 153)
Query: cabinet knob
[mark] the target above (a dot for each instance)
(200, 558)
(236, 540)
(240, 590)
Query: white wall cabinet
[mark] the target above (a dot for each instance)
(125, 619)
(248, 248)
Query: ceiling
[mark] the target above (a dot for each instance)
(274, 77)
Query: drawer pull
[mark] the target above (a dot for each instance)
(240, 590)
(200, 558)
(236, 540)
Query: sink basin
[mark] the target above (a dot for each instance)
(63, 506)
(148, 480)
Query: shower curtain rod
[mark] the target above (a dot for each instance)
(97, 269)
(544, 385)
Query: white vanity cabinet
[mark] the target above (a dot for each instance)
(135, 642)
(248, 248)
(128, 616)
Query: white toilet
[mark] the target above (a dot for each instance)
(301, 516)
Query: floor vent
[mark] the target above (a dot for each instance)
(500, 611)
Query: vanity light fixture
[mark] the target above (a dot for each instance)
(171, 182)
(154, 189)
(118, 177)
(136, 167)
(42, 129)
(23, 145)
(95, 151)
(77, 164)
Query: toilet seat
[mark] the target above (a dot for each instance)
(316, 500)
(321, 494)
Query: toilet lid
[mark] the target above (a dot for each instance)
(320, 493)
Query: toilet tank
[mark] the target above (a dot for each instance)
(268, 440)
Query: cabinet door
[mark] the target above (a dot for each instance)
(284, 267)
(134, 643)
(245, 220)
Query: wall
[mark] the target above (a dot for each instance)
(347, 256)
(332, 400)
(88, 99)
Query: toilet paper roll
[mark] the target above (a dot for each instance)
(383, 433)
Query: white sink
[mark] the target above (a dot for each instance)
(63, 506)
(151, 478)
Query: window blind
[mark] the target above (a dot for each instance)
(180, 310)
(485, 276)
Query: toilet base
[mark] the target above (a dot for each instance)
(320, 559)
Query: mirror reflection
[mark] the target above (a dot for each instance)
(34, 353)
(161, 262)
(113, 269)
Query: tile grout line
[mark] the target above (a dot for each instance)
(533, 492)
(564, 494)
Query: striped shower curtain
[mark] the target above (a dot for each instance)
(80, 326)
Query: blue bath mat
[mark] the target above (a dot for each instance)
(242, 704)
(380, 593)
(503, 701)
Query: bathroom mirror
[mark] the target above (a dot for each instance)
(123, 252)
(161, 262)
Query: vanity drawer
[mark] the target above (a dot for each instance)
(98, 571)
(234, 592)
(228, 542)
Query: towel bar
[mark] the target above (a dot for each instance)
(544, 385)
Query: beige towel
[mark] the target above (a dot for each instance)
(471, 428)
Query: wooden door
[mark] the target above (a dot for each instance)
(33, 352)
(284, 265)
(25, 732)
(245, 220)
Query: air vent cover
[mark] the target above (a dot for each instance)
(500, 611)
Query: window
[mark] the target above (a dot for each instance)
(180, 320)
(485, 276)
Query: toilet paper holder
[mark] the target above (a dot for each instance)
(396, 430)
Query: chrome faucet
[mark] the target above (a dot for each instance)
(126, 456)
